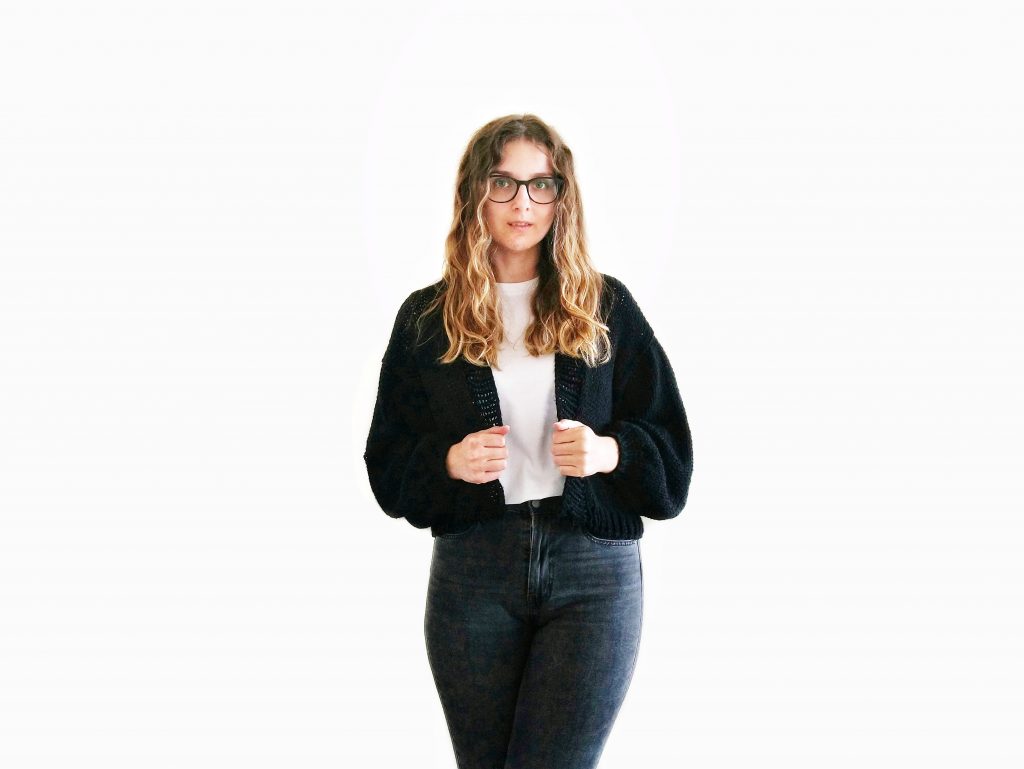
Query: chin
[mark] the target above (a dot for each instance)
(517, 248)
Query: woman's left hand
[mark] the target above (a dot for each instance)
(580, 452)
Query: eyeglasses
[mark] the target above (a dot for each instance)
(543, 189)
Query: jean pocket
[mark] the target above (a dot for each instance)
(608, 542)
(460, 533)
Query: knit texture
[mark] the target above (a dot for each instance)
(424, 407)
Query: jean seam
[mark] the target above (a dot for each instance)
(459, 534)
(603, 541)
(640, 628)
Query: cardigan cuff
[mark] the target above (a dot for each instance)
(436, 493)
(625, 436)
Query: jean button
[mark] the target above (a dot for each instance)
(535, 502)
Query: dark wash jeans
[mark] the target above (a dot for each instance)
(532, 628)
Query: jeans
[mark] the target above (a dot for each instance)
(532, 628)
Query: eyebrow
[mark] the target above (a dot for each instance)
(539, 174)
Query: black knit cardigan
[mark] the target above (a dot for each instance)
(423, 407)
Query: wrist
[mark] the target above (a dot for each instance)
(612, 453)
(448, 462)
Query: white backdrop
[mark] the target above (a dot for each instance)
(202, 249)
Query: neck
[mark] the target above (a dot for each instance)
(515, 268)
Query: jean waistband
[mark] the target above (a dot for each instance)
(530, 506)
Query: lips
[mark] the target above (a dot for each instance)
(520, 225)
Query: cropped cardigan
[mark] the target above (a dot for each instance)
(424, 407)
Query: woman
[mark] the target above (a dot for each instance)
(527, 414)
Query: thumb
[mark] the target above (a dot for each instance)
(565, 424)
(498, 429)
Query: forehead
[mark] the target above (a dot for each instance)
(523, 159)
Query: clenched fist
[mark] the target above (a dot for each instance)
(479, 457)
(579, 451)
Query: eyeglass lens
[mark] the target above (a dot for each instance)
(502, 189)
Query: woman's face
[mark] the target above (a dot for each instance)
(520, 159)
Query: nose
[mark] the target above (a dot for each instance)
(522, 198)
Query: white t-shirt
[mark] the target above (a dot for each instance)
(526, 395)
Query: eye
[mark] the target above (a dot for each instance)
(541, 183)
(500, 181)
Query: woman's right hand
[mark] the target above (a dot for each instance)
(480, 456)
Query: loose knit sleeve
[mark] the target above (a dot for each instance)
(649, 423)
(405, 452)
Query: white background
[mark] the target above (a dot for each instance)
(209, 214)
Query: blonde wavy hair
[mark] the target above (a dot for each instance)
(567, 304)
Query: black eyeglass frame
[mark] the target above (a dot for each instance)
(557, 180)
